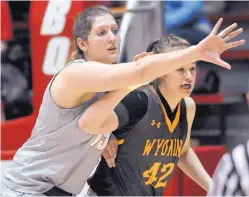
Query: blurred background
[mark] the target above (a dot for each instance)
(31, 54)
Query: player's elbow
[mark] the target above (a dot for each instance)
(93, 126)
(87, 126)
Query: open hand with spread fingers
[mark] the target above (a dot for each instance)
(216, 43)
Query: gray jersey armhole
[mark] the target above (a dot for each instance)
(52, 80)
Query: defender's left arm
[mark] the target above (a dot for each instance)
(188, 161)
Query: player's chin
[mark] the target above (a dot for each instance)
(185, 93)
(114, 58)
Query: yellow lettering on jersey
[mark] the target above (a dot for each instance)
(159, 145)
(175, 145)
(165, 147)
(170, 153)
(179, 147)
(169, 147)
(148, 147)
(157, 175)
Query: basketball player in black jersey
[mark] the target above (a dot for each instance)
(156, 138)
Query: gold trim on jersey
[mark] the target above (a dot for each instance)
(120, 142)
(171, 125)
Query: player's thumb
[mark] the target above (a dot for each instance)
(223, 64)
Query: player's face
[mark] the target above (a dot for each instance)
(103, 40)
(181, 82)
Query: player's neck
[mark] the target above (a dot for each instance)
(170, 97)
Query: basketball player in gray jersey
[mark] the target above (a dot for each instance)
(77, 112)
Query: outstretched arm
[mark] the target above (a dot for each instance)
(138, 72)
(97, 77)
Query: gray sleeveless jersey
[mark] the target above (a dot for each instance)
(58, 153)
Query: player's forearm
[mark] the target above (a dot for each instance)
(100, 116)
(191, 166)
(166, 62)
(110, 124)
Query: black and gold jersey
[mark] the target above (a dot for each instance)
(148, 151)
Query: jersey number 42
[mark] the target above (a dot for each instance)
(153, 174)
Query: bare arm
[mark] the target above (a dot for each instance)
(100, 116)
(95, 77)
(98, 77)
(74, 81)
(77, 79)
(191, 166)
(189, 162)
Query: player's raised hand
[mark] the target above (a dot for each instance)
(216, 43)
(110, 151)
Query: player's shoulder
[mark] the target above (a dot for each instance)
(137, 95)
(190, 104)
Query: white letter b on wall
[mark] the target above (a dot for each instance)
(55, 17)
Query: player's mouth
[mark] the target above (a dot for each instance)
(186, 87)
(112, 49)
